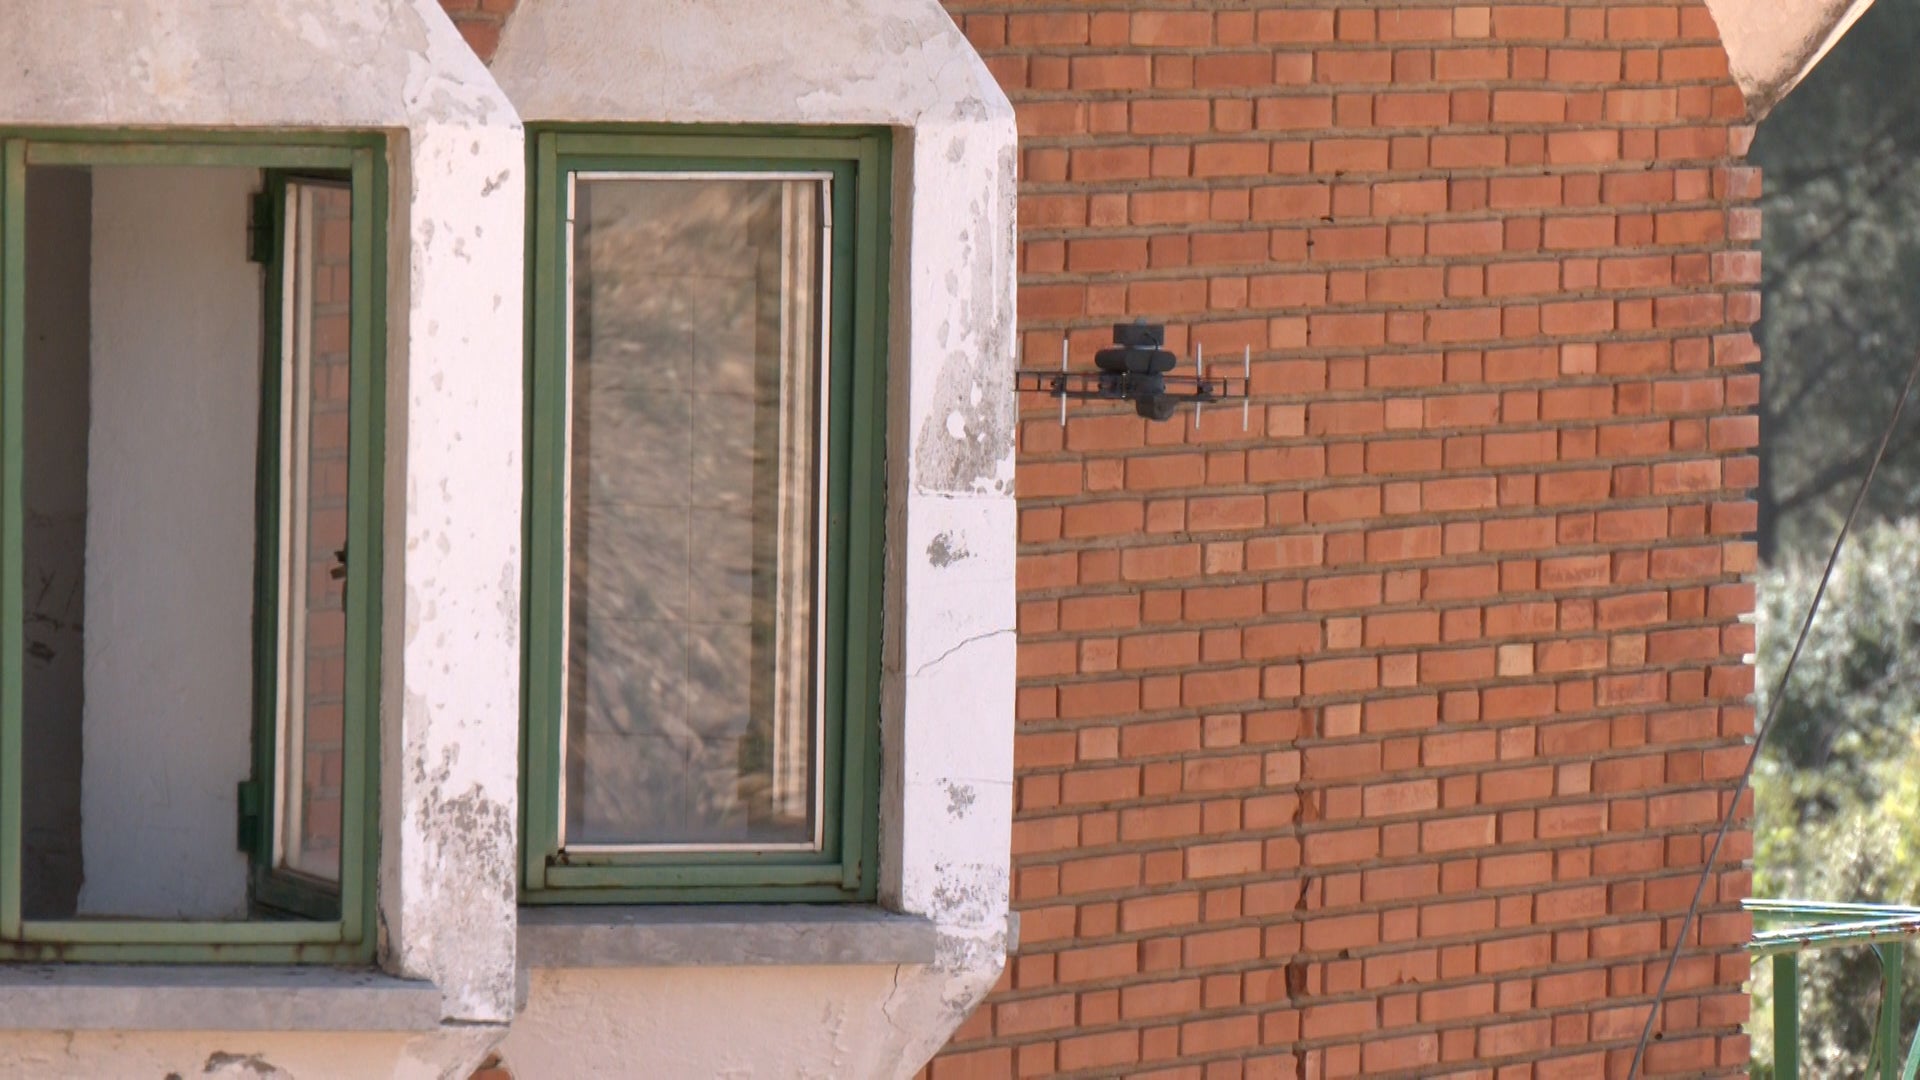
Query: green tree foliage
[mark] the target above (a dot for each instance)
(1840, 158)
(1837, 789)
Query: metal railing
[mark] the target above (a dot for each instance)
(1818, 926)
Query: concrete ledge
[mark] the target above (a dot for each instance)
(721, 936)
(88, 997)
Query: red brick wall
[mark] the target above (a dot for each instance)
(1380, 738)
(480, 22)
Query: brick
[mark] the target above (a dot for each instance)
(1110, 72)
(1100, 962)
(1338, 1020)
(1166, 29)
(1099, 1051)
(1052, 28)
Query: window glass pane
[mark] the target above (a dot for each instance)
(312, 677)
(696, 334)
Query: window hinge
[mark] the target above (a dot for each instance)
(248, 832)
(260, 231)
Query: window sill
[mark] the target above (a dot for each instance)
(739, 935)
(87, 997)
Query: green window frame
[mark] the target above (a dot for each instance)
(844, 865)
(284, 928)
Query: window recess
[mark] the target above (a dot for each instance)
(704, 516)
(190, 425)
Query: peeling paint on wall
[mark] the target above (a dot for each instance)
(960, 449)
(946, 550)
(221, 1063)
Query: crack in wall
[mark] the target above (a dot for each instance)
(922, 669)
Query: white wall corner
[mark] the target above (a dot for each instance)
(451, 765)
(1772, 44)
(949, 664)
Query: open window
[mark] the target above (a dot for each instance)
(190, 367)
(293, 808)
(704, 517)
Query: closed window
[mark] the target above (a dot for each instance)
(705, 515)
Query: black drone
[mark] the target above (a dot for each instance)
(1138, 369)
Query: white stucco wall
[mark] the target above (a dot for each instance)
(948, 702)
(170, 532)
(583, 1023)
(1772, 44)
(450, 768)
(250, 1056)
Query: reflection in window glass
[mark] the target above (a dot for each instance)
(693, 491)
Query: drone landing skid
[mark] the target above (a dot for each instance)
(1155, 397)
